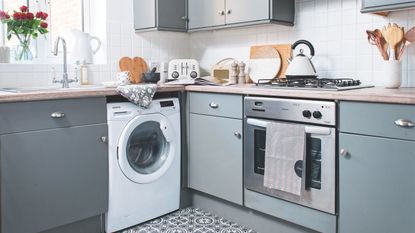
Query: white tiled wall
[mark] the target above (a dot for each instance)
(121, 41)
(335, 27)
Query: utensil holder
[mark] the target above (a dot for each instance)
(392, 75)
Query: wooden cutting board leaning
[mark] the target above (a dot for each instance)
(136, 66)
(284, 51)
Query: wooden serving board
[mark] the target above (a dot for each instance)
(136, 66)
(285, 51)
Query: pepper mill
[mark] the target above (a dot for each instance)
(234, 73)
(241, 76)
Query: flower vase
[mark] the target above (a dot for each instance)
(23, 52)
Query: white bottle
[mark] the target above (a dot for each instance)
(84, 73)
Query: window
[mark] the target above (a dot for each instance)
(63, 16)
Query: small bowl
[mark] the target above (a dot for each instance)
(151, 77)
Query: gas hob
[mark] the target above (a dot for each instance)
(319, 84)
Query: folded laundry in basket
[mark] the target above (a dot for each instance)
(284, 147)
(139, 94)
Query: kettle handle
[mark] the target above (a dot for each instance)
(306, 42)
(98, 44)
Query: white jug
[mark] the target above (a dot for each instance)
(82, 47)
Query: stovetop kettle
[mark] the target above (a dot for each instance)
(300, 66)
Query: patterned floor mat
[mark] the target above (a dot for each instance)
(189, 220)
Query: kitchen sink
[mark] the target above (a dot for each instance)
(48, 88)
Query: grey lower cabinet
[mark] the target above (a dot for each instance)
(385, 5)
(169, 15)
(54, 173)
(376, 168)
(208, 14)
(215, 145)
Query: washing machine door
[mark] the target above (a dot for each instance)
(146, 148)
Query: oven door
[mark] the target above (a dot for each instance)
(317, 170)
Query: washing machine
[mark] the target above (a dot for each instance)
(144, 162)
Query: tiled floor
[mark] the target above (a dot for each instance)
(189, 220)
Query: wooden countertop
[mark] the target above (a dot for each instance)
(380, 95)
(375, 94)
(73, 93)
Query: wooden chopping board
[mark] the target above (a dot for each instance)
(136, 66)
(285, 51)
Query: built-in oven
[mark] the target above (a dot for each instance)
(317, 169)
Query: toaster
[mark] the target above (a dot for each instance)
(183, 69)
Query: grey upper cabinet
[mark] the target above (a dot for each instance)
(169, 15)
(54, 166)
(205, 14)
(385, 5)
(376, 168)
(238, 11)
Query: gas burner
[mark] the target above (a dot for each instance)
(313, 84)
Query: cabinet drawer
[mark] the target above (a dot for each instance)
(29, 116)
(377, 119)
(216, 104)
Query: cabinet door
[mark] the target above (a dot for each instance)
(172, 14)
(377, 185)
(215, 156)
(385, 5)
(206, 13)
(54, 177)
(144, 14)
(239, 11)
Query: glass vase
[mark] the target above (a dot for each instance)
(23, 52)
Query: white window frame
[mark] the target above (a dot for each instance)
(43, 53)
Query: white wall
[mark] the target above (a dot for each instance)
(335, 27)
(121, 40)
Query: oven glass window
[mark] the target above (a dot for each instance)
(314, 153)
(259, 151)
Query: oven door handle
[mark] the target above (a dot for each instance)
(308, 129)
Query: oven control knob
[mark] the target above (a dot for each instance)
(175, 74)
(317, 114)
(306, 113)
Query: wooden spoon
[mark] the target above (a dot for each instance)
(393, 35)
(382, 44)
(407, 40)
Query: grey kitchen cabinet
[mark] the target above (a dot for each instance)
(205, 14)
(376, 175)
(168, 15)
(215, 147)
(53, 168)
(385, 5)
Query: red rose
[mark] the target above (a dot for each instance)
(41, 15)
(30, 16)
(2, 14)
(44, 25)
(7, 16)
(17, 15)
(45, 15)
(23, 8)
(23, 16)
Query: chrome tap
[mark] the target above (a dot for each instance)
(65, 81)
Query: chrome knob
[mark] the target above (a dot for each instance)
(104, 139)
(238, 135)
(221, 12)
(344, 153)
(183, 18)
(404, 123)
(214, 105)
(57, 115)
(229, 12)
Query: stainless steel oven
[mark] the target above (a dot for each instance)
(318, 167)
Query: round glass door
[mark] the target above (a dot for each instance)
(145, 153)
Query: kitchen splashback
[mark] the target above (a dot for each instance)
(335, 27)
